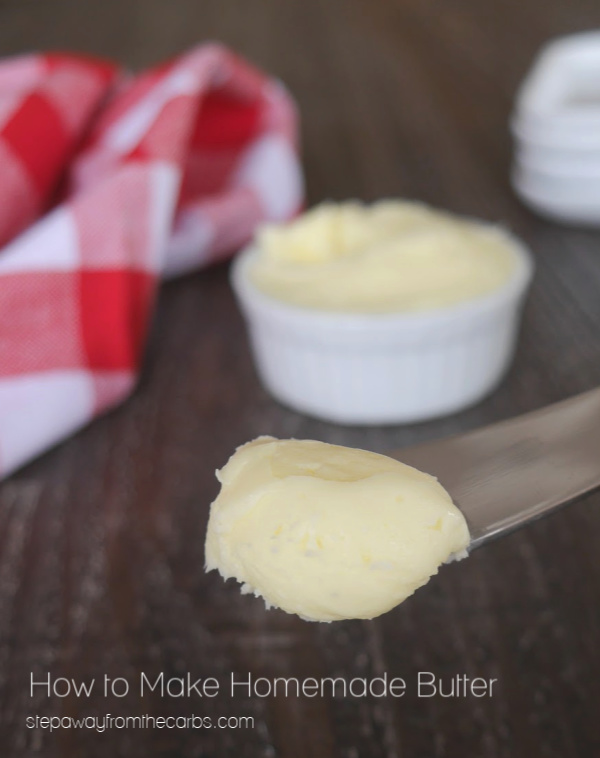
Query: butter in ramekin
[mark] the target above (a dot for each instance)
(390, 257)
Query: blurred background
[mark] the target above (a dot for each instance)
(101, 540)
(362, 73)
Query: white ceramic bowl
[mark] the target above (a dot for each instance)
(567, 163)
(566, 184)
(560, 97)
(556, 125)
(571, 202)
(553, 135)
(382, 368)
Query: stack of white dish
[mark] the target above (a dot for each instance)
(556, 126)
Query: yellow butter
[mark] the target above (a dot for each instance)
(329, 532)
(392, 256)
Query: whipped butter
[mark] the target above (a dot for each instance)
(329, 532)
(393, 256)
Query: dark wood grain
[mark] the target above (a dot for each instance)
(101, 540)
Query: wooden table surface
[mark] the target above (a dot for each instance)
(101, 540)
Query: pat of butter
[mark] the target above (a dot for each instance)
(329, 532)
(393, 256)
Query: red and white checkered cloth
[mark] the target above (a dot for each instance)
(107, 184)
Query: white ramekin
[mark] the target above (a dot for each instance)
(382, 368)
(569, 199)
(558, 100)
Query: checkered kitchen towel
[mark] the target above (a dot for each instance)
(108, 183)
